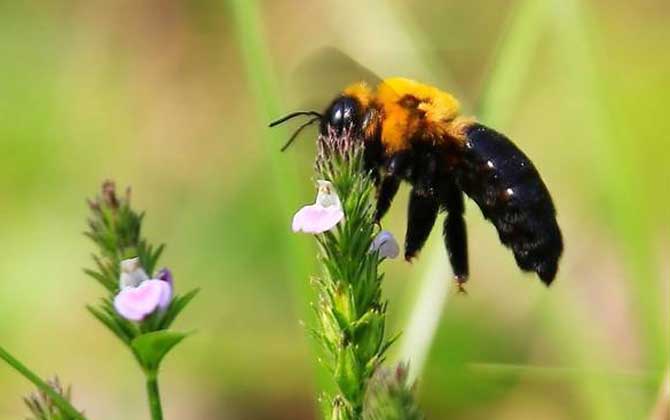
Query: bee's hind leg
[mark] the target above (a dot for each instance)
(421, 215)
(454, 231)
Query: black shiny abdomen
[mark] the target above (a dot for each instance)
(509, 191)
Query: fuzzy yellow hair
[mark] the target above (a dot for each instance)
(401, 121)
(361, 92)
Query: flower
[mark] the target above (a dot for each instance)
(385, 244)
(321, 216)
(141, 296)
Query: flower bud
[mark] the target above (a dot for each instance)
(369, 334)
(385, 244)
(348, 373)
(342, 302)
(329, 326)
(340, 410)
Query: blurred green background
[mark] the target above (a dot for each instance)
(173, 98)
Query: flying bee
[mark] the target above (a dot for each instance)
(413, 132)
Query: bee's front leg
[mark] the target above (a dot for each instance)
(387, 189)
(387, 185)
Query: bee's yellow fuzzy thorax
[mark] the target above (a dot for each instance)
(360, 91)
(401, 122)
(398, 99)
(438, 105)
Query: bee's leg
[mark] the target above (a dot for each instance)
(455, 234)
(398, 164)
(396, 167)
(421, 215)
(424, 174)
(387, 189)
(371, 161)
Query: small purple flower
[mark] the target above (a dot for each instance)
(165, 274)
(321, 216)
(139, 295)
(385, 244)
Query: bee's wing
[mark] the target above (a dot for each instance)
(508, 189)
(324, 73)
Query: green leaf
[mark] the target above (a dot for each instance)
(177, 305)
(109, 323)
(150, 348)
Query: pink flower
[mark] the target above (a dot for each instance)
(385, 244)
(321, 216)
(137, 300)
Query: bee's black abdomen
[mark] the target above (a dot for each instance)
(508, 189)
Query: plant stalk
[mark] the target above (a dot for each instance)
(153, 395)
(57, 399)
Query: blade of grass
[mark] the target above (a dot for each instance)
(563, 374)
(247, 21)
(661, 409)
(615, 173)
(424, 319)
(512, 62)
(502, 93)
(58, 400)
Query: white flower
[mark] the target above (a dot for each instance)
(132, 273)
(321, 216)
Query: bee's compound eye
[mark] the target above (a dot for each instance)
(342, 114)
(337, 115)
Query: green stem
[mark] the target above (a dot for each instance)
(154, 396)
(58, 400)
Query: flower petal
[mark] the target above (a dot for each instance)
(385, 244)
(316, 219)
(166, 294)
(132, 273)
(166, 275)
(327, 196)
(135, 303)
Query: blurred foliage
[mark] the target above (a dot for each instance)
(390, 397)
(165, 96)
(42, 407)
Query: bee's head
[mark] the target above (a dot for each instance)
(349, 111)
(344, 113)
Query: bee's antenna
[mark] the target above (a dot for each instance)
(293, 115)
(295, 134)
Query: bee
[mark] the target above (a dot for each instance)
(413, 132)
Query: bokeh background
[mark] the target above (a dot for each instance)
(173, 97)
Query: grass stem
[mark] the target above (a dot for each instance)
(57, 399)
